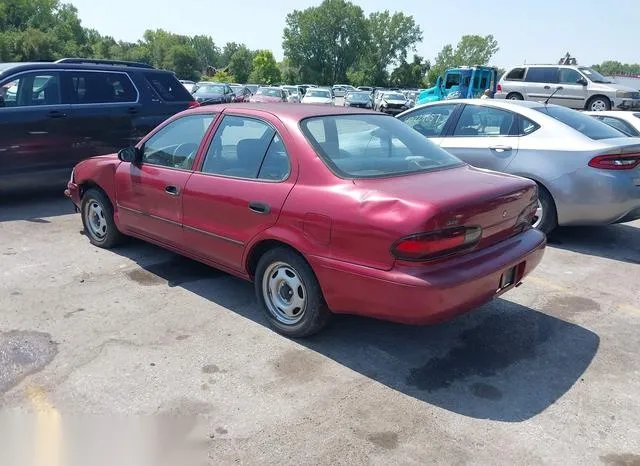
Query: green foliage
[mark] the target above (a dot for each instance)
(611, 67)
(288, 72)
(391, 37)
(471, 50)
(410, 74)
(222, 76)
(265, 68)
(207, 53)
(323, 42)
(227, 52)
(241, 63)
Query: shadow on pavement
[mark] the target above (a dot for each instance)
(618, 242)
(503, 362)
(34, 206)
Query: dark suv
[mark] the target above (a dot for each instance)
(53, 115)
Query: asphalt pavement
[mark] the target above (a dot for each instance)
(95, 342)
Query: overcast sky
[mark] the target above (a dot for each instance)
(538, 31)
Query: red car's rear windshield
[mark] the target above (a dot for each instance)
(371, 146)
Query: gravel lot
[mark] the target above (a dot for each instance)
(548, 374)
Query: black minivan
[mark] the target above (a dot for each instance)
(52, 115)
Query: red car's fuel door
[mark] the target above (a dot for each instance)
(239, 190)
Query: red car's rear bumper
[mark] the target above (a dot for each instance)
(427, 293)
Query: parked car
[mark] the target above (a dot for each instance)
(392, 103)
(190, 86)
(587, 172)
(53, 115)
(340, 90)
(572, 86)
(627, 122)
(269, 94)
(294, 94)
(361, 99)
(365, 88)
(240, 93)
(318, 96)
(402, 231)
(252, 87)
(209, 93)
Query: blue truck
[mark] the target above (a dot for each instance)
(465, 82)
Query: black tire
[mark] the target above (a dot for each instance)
(605, 103)
(315, 315)
(549, 220)
(515, 96)
(106, 235)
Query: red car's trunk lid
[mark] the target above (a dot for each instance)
(464, 196)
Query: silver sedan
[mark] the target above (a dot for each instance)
(588, 173)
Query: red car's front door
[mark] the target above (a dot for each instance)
(149, 194)
(245, 178)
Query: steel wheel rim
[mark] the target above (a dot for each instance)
(598, 106)
(538, 215)
(284, 293)
(514, 97)
(95, 220)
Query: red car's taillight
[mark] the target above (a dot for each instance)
(433, 245)
(194, 104)
(499, 88)
(615, 162)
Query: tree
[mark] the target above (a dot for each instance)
(227, 52)
(207, 53)
(265, 68)
(241, 63)
(410, 74)
(612, 67)
(222, 76)
(288, 72)
(324, 42)
(391, 37)
(182, 59)
(471, 50)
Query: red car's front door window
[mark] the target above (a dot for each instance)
(149, 195)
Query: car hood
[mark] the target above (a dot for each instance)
(316, 100)
(612, 87)
(265, 98)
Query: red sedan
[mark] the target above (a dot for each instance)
(326, 209)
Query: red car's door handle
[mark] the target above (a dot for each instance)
(172, 190)
(259, 207)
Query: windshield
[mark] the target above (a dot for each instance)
(370, 146)
(269, 91)
(210, 89)
(594, 76)
(358, 96)
(394, 96)
(318, 93)
(590, 127)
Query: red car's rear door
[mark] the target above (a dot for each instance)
(149, 194)
(239, 189)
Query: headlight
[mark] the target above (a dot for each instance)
(624, 94)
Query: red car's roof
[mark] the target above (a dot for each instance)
(294, 111)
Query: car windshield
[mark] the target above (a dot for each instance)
(358, 96)
(590, 127)
(269, 91)
(371, 146)
(318, 93)
(594, 76)
(393, 96)
(210, 89)
(291, 89)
